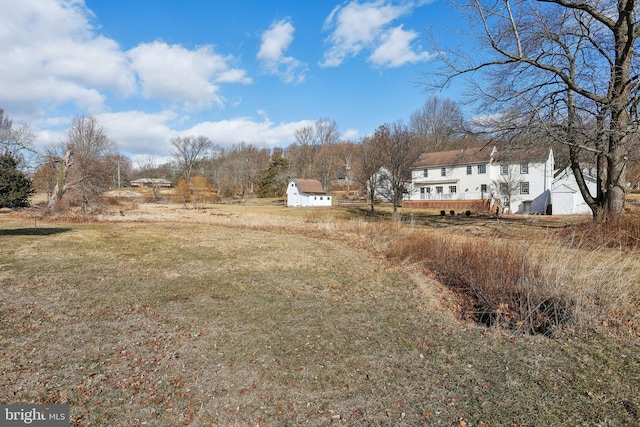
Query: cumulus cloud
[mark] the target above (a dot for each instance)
(263, 133)
(275, 41)
(175, 74)
(139, 133)
(52, 56)
(356, 26)
(395, 49)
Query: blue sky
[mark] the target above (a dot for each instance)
(233, 70)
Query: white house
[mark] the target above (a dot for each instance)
(566, 195)
(307, 192)
(520, 180)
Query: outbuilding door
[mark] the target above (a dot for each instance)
(564, 203)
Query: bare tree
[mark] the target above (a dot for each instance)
(506, 186)
(308, 159)
(188, 152)
(93, 157)
(15, 138)
(84, 163)
(562, 60)
(439, 124)
(245, 164)
(367, 167)
(399, 149)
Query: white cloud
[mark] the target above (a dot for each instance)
(139, 133)
(54, 60)
(245, 129)
(235, 131)
(275, 41)
(395, 50)
(359, 26)
(174, 74)
(51, 56)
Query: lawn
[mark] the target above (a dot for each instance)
(257, 316)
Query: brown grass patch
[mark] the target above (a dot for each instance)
(258, 316)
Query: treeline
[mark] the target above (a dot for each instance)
(318, 152)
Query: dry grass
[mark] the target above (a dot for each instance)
(258, 315)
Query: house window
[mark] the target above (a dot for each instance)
(524, 188)
(504, 188)
(428, 190)
(453, 189)
(443, 171)
(425, 173)
(482, 169)
(504, 169)
(439, 189)
(524, 167)
(469, 168)
(483, 188)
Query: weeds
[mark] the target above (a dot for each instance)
(521, 287)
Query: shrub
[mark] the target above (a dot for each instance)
(502, 285)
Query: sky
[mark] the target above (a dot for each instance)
(251, 71)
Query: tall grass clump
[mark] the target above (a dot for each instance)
(536, 289)
(624, 232)
(500, 284)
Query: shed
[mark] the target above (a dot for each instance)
(307, 192)
(565, 194)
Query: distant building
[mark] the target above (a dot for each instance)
(307, 192)
(151, 182)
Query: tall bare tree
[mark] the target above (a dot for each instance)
(561, 60)
(308, 157)
(367, 167)
(89, 161)
(83, 165)
(439, 124)
(188, 152)
(399, 150)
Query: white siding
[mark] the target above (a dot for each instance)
(538, 179)
(468, 186)
(295, 198)
(566, 196)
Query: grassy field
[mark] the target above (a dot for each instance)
(262, 315)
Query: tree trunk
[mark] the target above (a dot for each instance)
(61, 187)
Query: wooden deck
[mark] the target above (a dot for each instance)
(457, 205)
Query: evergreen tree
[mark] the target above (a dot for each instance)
(15, 187)
(276, 177)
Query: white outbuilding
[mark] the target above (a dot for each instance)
(307, 192)
(566, 196)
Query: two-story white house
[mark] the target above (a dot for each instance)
(518, 181)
